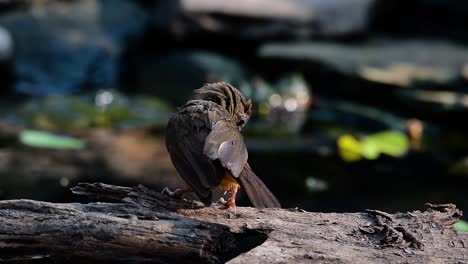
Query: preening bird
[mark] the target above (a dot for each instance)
(206, 147)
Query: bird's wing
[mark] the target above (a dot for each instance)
(185, 137)
(225, 143)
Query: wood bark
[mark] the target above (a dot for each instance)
(139, 225)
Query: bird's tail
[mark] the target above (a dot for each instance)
(259, 194)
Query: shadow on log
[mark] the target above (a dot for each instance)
(138, 225)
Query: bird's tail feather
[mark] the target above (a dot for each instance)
(259, 194)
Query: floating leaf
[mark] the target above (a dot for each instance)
(461, 226)
(392, 143)
(369, 149)
(34, 138)
(349, 148)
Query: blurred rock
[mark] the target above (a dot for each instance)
(6, 45)
(175, 75)
(396, 62)
(6, 60)
(63, 47)
(258, 19)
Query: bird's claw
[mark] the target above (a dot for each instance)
(177, 193)
(226, 204)
(221, 201)
(167, 191)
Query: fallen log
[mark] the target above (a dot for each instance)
(139, 225)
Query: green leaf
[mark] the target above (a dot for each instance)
(349, 148)
(392, 143)
(461, 226)
(369, 149)
(42, 139)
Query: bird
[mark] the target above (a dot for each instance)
(207, 149)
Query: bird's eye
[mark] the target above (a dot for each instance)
(240, 123)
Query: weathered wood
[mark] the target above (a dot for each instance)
(140, 225)
(111, 232)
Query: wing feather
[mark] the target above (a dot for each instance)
(225, 143)
(186, 150)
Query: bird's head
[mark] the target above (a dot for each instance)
(230, 98)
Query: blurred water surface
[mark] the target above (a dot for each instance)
(356, 104)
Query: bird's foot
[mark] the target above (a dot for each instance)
(221, 201)
(227, 204)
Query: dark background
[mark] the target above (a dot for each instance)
(110, 73)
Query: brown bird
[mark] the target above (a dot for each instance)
(206, 146)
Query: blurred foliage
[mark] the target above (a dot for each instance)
(391, 143)
(34, 138)
(461, 226)
(105, 109)
(349, 148)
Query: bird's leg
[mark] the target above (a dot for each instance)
(231, 202)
